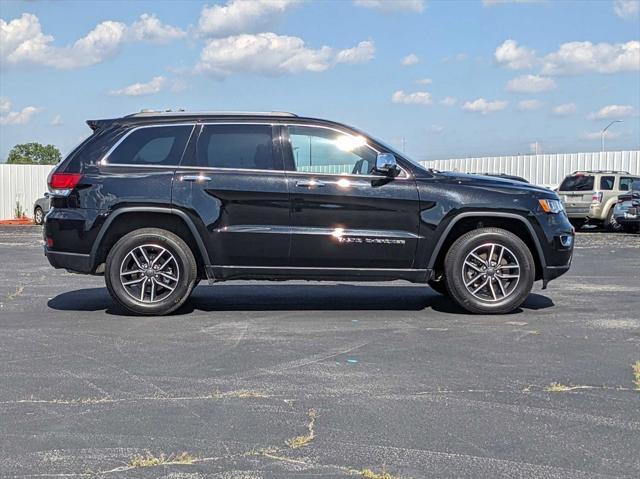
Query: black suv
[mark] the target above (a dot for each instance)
(157, 201)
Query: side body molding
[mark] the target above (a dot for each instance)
(151, 209)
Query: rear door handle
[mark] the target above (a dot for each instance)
(309, 183)
(195, 178)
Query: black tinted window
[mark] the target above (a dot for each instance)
(606, 182)
(577, 183)
(625, 183)
(156, 145)
(236, 146)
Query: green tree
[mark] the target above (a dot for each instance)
(34, 154)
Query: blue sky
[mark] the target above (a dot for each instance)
(442, 78)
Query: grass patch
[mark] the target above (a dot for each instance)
(636, 374)
(241, 393)
(149, 460)
(304, 440)
(369, 474)
(557, 388)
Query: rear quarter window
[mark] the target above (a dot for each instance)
(606, 182)
(577, 183)
(154, 145)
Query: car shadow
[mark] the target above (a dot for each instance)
(290, 297)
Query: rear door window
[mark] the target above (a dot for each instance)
(245, 147)
(155, 145)
(577, 183)
(606, 182)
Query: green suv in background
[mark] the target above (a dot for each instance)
(590, 196)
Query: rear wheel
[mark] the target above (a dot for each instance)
(38, 216)
(489, 270)
(150, 271)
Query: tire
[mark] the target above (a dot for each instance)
(38, 216)
(491, 299)
(439, 286)
(610, 224)
(156, 290)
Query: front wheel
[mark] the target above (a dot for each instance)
(489, 270)
(150, 271)
(38, 216)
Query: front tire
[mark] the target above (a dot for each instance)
(489, 271)
(611, 224)
(150, 271)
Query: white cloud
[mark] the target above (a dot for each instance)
(424, 81)
(483, 106)
(436, 128)
(528, 105)
(271, 54)
(5, 104)
(580, 57)
(415, 98)
(448, 101)
(22, 42)
(362, 53)
(566, 109)
(241, 16)
(626, 9)
(56, 120)
(531, 84)
(8, 117)
(513, 56)
(612, 112)
(596, 135)
(390, 6)
(150, 29)
(154, 86)
(410, 60)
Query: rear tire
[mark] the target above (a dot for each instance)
(150, 271)
(489, 271)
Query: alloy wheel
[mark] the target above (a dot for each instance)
(149, 273)
(491, 272)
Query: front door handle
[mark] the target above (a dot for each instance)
(309, 183)
(198, 178)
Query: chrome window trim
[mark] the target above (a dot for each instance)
(103, 161)
(406, 177)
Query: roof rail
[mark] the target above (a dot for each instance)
(602, 171)
(182, 112)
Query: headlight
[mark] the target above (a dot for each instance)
(551, 206)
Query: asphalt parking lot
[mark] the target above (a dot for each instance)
(273, 380)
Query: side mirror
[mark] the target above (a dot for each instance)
(386, 163)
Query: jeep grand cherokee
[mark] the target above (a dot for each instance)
(158, 201)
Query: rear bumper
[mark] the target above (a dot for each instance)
(79, 263)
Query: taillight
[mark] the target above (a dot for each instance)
(597, 197)
(61, 184)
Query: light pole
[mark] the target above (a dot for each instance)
(604, 130)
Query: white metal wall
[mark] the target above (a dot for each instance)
(548, 170)
(26, 183)
(23, 183)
